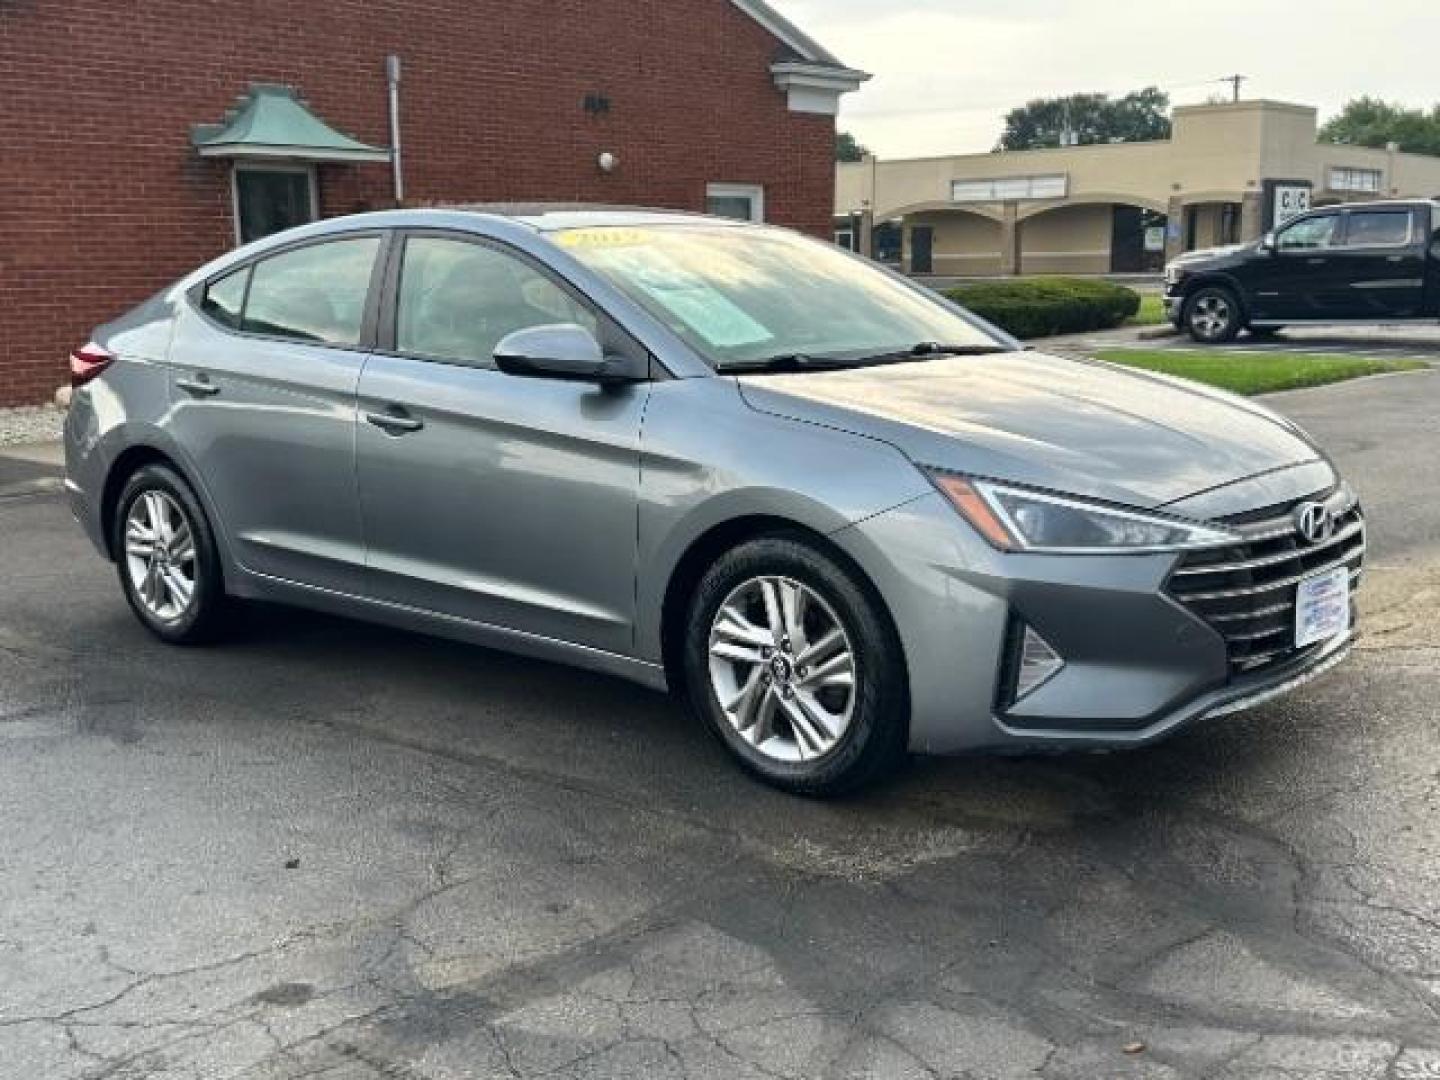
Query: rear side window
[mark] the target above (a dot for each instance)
(224, 298)
(314, 293)
(1378, 228)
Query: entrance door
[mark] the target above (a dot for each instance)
(1127, 240)
(922, 250)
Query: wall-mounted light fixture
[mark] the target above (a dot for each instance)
(608, 162)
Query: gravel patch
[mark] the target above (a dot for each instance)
(31, 424)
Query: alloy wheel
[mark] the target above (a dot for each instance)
(160, 555)
(783, 669)
(1210, 316)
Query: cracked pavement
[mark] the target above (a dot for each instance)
(330, 850)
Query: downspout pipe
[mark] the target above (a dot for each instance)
(392, 79)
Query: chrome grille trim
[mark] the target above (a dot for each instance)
(1246, 591)
(1254, 590)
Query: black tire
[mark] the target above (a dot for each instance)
(874, 742)
(1213, 315)
(202, 619)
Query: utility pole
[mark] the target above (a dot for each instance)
(1236, 81)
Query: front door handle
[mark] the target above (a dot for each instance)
(200, 387)
(394, 423)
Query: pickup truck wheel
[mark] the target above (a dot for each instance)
(1212, 315)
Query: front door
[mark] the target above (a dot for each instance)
(1293, 280)
(263, 378)
(490, 497)
(1380, 267)
(922, 250)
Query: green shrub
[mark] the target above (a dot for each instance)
(1040, 307)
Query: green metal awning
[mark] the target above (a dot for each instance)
(271, 122)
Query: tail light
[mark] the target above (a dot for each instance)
(88, 362)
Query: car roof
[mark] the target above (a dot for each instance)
(553, 217)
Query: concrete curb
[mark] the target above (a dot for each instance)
(1157, 333)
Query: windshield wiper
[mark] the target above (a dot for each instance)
(796, 361)
(785, 362)
(936, 348)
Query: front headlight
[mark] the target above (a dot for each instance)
(1173, 274)
(1017, 519)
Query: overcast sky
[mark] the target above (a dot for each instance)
(946, 71)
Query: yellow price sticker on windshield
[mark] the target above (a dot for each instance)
(600, 238)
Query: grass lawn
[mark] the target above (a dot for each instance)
(1151, 313)
(1255, 373)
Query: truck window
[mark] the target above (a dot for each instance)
(1310, 233)
(1378, 228)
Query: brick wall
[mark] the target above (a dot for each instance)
(102, 200)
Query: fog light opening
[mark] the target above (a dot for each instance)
(1039, 663)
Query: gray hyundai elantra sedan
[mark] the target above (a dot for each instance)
(840, 516)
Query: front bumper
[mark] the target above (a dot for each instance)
(1173, 302)
(1138, 664)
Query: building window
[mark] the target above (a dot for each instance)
(271, 198)
(1366, 181)
(1008, 188)
(742, 202)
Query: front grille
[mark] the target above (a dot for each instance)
(1247, 591)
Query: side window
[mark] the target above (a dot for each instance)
(1378, 228)
(1315, 232)
(224, 298)
(459, 299)
(314, 293)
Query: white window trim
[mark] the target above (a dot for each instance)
(754, 192)
(1336, 171)
(280, 167)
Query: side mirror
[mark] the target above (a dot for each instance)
(1269, 244)
(561, 351)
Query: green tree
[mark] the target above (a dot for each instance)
(1085, 119)
(1371, 122)
(848, 148)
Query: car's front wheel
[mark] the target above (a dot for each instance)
(166, 555)
(1212, 315)
(795, 668)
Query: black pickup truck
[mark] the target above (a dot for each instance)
(1356, 263)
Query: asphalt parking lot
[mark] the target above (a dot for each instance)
(326, 849)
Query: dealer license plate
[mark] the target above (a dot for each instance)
(1322, 608)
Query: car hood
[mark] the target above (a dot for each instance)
(1077, 426)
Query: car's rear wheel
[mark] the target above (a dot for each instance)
(166, 556)
(796, 670)
(1212, 315)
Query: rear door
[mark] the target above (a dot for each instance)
(264, 372)
(1380, 266)
(494, 498)
(1432, 264)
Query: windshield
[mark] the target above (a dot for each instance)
(742, 297)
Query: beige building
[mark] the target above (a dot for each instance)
(1227, 173)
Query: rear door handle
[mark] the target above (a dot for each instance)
(394, 423)
(200, 387)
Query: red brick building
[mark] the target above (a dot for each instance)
(132, 132)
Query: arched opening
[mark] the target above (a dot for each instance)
(1092, 237)
(952, 243)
